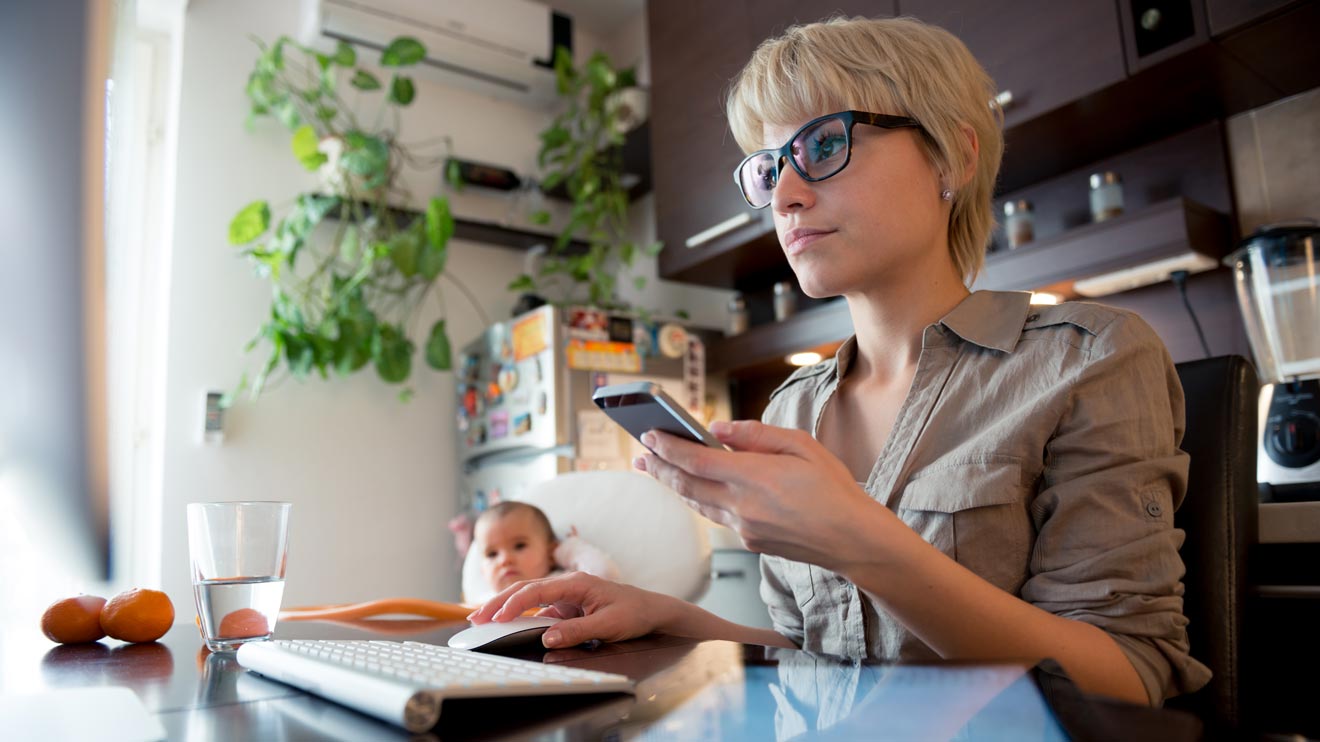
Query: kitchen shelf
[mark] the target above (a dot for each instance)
(1159, 231)
(490, 233)
(1162, 230)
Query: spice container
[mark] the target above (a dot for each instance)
(785, 301)
(737, 316)
(1106, 196)
(1019, 223)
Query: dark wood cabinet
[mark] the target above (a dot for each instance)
(696, 49)
(1041, 54)
(1228, 15)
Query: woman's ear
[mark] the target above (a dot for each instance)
(973, 155)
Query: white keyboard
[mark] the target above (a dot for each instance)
(405, 683)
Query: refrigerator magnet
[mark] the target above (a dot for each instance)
(522, 424)
(529, 336)
(499, 424)
(507, 379)
(673, 340)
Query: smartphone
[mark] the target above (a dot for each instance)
(643, 406)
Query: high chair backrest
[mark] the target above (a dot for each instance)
(656, 541)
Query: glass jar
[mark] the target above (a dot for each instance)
(785, 301)
(737, 316)
(1106, 196)
(1019, 223)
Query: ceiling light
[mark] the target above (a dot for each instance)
(1041, 297)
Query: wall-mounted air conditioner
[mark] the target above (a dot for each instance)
(503, 48)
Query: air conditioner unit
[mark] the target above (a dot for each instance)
(503, 48)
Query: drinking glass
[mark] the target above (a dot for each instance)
(238, 552)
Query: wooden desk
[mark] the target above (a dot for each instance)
(201, 696)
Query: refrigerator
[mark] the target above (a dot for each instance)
(524, 386)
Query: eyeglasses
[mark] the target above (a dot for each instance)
(818, 150)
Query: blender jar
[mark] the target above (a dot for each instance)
(1278, 289)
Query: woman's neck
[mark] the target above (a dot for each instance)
(889, 321)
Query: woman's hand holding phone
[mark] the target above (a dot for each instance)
(780, 490)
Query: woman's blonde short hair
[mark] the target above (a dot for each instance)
(898, 66)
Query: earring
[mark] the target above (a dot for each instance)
(946, 194)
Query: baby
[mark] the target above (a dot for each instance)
(518, 543)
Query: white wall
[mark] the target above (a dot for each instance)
(372, 480)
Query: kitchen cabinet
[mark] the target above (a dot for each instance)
(1041, 54)
(1227, 15)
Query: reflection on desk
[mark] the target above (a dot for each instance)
(686, 690)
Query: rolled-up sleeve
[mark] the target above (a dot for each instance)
(779, 600)
(1106, 550)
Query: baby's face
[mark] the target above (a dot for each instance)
(513, 549)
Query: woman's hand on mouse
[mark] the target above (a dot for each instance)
(592, 608)
(779, 489)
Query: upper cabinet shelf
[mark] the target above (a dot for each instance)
(1158, 232)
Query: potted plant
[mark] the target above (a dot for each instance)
(348, 273)
(580, 151)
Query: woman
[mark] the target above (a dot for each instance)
(970, 477)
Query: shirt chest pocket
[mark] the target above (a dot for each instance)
(976, 513)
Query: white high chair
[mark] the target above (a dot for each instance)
(657, 542)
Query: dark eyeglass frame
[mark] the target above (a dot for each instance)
(849, 119)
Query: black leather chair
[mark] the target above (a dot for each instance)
(1219, 518)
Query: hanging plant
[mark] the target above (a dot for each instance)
(348, 273)
(581, 150)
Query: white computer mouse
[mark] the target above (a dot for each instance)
(498, 636)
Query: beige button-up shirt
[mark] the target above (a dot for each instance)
(1037, 446)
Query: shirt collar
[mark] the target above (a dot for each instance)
(991, 319)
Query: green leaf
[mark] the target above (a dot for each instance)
(653, 249)
(437, 348)
(299, 354)
(539, 217)
(406, 394)
(352, 347)
(227, 399)
(392, 352)
(402, 52)
(288, 114)
(454, 174)
(639, 282)
(401, 90)
(439, 222)
(405, 247)
(316, 208)
(323, 61)
(682, 314)
(366, 156)
(305, 143)
(344, 55)
(600, 72)
(326, 113)
(250, 223)
(348, 246)
(522, 283)
(552, 180)
(363, 80)
(563, 70)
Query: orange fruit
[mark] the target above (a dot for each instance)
(138, 615)
(243, 623)
(73, 620)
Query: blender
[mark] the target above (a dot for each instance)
(1278, 290)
